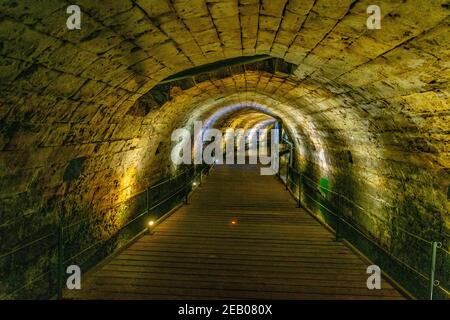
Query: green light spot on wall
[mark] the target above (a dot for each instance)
(324, 185)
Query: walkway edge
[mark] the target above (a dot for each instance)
(394, 283)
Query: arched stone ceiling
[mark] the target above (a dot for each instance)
(383, 94)
(196, 103)
(245, 119)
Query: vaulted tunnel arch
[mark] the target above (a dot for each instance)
(86, 115)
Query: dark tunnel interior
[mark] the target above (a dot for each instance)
(88, 112)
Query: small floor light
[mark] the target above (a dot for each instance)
(194, 183)
(150, 224)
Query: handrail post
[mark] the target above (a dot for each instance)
(186, 200)
(287, 175)
(60, 257)
(278, 173)
(299, 200)
(434, 246)
(338, 217)
(147, 200)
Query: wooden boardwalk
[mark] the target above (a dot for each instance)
(241, 237)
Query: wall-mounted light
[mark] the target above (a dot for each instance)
(194, 183)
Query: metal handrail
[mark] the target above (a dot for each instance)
(14, 221)
(19, 248)
(357, 205)
(446, 251)
(386, 251)
(25, 285)
(366, 236)
(138, 194)
(159, 203)
(171, 178)
(127, 224)
(87, 218)
(340, 218)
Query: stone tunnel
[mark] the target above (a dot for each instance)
(87, 115)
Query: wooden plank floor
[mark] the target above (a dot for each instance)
(272, 251)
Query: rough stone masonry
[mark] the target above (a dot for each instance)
(82, 131)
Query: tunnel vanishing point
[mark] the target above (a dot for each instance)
(91, 92)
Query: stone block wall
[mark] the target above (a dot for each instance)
(67, 95)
